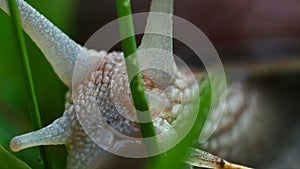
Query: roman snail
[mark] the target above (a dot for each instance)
(101, 95)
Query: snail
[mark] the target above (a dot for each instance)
(101, 97)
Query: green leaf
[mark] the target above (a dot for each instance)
(9, 161)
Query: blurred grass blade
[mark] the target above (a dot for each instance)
(8, 161)
(32, 101)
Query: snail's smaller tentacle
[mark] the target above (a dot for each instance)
(158, 36)
(59, 132)
(158, 31)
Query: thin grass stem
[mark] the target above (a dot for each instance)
(132, 65)
(29, 85)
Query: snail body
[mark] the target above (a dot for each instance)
(107, 89)
(100, 94)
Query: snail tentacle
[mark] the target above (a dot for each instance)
(158, 38)
(57, 133)
(59, 49)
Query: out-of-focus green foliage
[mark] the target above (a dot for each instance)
(10, 161)
(49, 89)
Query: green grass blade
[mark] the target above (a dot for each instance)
(32, 101)
(136, 84)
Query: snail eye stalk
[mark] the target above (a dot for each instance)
(61, 51)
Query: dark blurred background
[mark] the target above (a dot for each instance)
(239, 30)
(257, 32)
